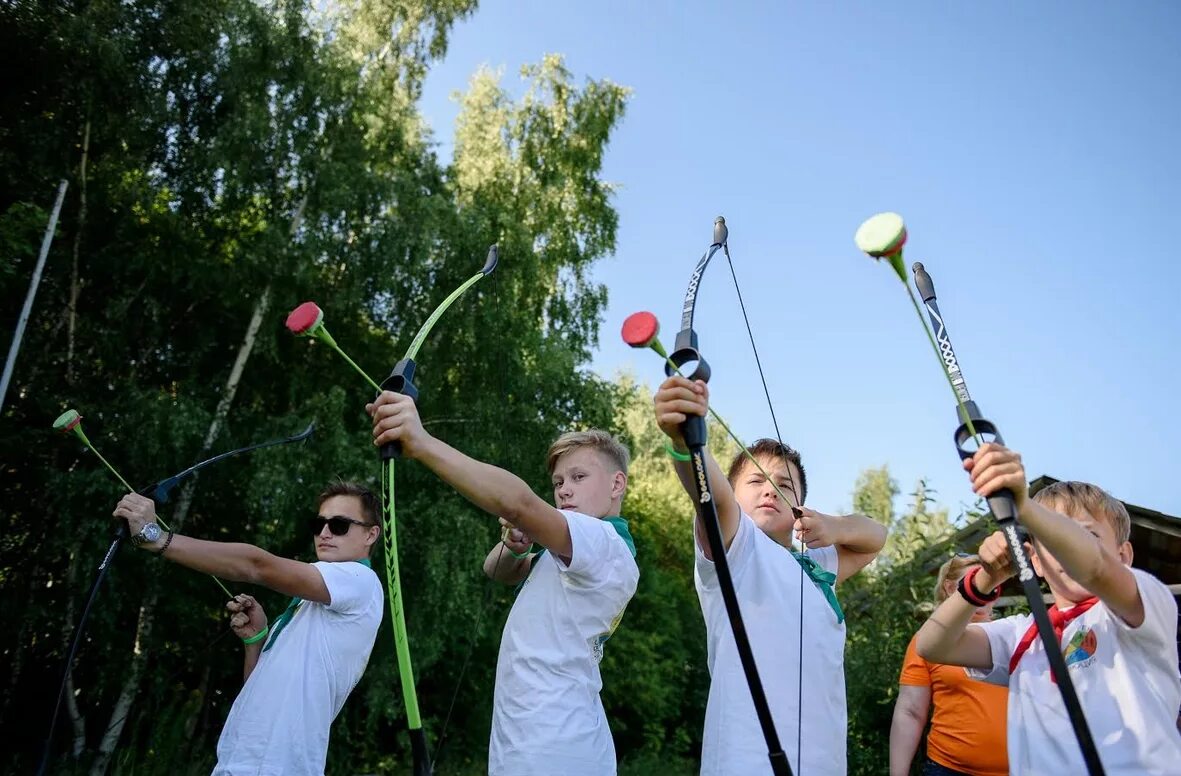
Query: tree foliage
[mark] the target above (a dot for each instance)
(226, 161)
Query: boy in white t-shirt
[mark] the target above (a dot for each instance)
(774, 593)
(547, 717)
(299, 670)
(1117, 625)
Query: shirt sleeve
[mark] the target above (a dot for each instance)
(1003, 636)
(826, 557)
(594, 547)
(350, 585)
(915, 671)
(739, 554)
(1160, 612)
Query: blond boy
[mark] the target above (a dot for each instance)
(1117, 625)
(547, 716)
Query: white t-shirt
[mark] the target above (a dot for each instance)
(767, 581)
(279, 723)
(547, 717)
(1127, 683)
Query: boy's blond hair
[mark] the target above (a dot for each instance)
(1072, 497)
(953, 569)
(597, 440)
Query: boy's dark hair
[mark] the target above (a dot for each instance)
(370, 509)
(771, 448)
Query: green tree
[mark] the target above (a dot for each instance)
(228, 160)
(874, 494)
(885, 607)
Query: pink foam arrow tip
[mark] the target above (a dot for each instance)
(304, 318)
(640, 329)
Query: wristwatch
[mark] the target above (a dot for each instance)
(148, 534)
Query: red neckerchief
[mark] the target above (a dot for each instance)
(1059, 619)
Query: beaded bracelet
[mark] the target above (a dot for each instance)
(167, 542)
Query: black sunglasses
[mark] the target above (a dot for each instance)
(337, 524)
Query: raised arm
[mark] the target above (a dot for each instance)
(232, 561)
(947, 637)
(1083, 556)
(499, 492)
(857, 538)
(676, 399)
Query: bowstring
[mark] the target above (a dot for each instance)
(490, 596)
(795, 490)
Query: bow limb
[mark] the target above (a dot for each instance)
(489, 266)
(161, 491)
(694, 431)
(401, 380)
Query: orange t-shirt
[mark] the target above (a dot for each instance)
(968, 729)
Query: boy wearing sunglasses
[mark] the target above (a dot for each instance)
(300, 669)
(547, 716)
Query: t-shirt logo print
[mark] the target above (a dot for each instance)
(1082, 647)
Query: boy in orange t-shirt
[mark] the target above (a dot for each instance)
(967, 733)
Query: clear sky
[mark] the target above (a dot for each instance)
(1031, 147)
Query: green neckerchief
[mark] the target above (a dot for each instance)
(617, 522)
(289, 612)
(620, 526)
(824, 581)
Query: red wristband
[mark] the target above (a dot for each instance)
(967, 589)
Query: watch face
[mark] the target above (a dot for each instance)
(151, 532)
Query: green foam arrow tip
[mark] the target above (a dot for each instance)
(67, 421)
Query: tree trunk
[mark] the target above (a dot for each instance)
(76, 719)
(110, 739)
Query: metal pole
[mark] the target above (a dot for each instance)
(36, 281)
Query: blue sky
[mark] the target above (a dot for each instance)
(1031, 147)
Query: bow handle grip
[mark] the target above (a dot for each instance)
(1002, 503)
(685, 352)
(401, 380)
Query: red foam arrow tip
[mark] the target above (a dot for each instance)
(304, 317)
(640, 329)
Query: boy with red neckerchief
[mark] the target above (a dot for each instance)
(1117, 629)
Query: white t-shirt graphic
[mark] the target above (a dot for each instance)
(767, 581)
(547, 717)
(1127, 683)
(279, 723)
